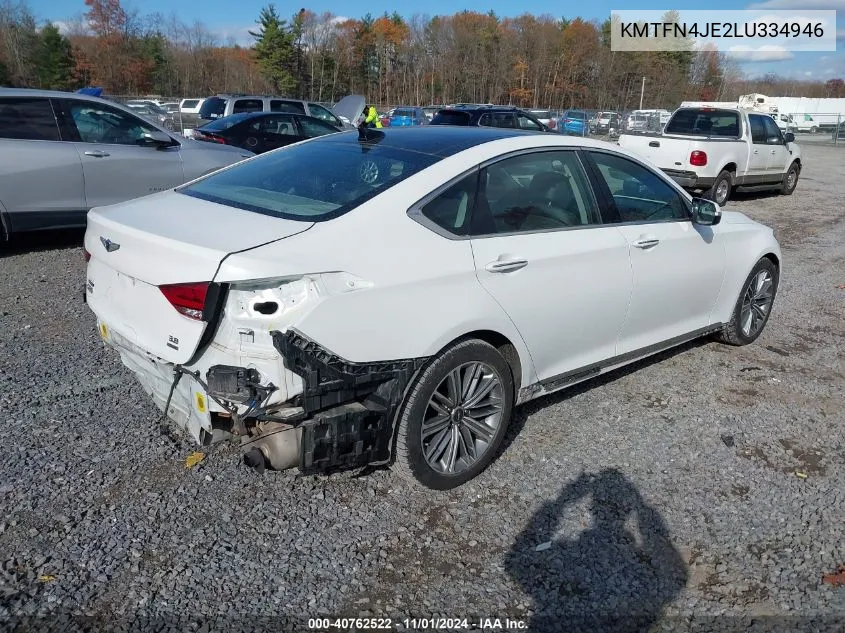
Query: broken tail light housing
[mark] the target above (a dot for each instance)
(86, 254)
(188, 299)
(698, 158)
(207, 136)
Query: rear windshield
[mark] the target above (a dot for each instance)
(697, 122)
(573, 114)
(451, 117)
(313, 181)
(212, 108)
(190, 103)
(403, 112)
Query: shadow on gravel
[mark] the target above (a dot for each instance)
(615, 577)
(41, 241)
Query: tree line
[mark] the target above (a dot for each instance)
(535, 61)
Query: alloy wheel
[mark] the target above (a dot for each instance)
(756, 303)
(462, 418)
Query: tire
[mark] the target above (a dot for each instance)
(790, 180)
(720, 192)
(814, 130)
(734, 333)
(431, 398)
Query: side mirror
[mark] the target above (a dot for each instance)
(789, 137)
(705, 212)
(158, 139)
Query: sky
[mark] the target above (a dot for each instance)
(226, 18)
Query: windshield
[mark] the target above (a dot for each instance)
(572, 114)
(701, 122)
(542, 114)
(403, 112)
(314, 181)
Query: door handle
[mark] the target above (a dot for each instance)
(506, 265)
(96, 153)
(756, 151)
(645, 242)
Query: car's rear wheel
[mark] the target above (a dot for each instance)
(754, 305)
(455, 416)
(721, 189)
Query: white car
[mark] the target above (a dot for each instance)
(390, 297)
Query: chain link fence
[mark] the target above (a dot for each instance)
(815, 127)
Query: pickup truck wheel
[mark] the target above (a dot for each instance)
(814, 129)
(790, 180)
(721, 189)
(455, 416)
(753, 306)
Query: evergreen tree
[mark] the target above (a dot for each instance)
(274, 50)
(54, 61)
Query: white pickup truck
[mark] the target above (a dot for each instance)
(716, 150)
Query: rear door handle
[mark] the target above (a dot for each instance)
(96, 153)
(645, 242)
(506, 265)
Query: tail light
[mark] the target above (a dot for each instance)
(206, 136)
(188, 299)
(698, 158)
(86, 254)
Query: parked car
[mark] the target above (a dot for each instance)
(261, 132)
(151, 112)
(784, 122)
(191, 106)
(604, 122)
(573, 122)
(636, 122)
(489, 116)
(225, 105)
(694, 150)
(546, 118)
(431, 110)
(405, 116)
(288, 301)
(63, 153)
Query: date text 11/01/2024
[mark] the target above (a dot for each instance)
(416, 624)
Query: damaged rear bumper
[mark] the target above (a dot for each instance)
(348, 408)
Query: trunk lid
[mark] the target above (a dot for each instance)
(163, 239)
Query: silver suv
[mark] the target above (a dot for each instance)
(63, 153)
(224, 105)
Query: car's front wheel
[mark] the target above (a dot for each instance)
(455, 416)
(754, 305)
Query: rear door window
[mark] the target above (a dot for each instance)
(451, 117)
(283, 105)
(319, 112)
(498, 119)
(247, 105)
(28, 119)
(312, 127)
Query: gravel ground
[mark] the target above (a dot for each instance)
(689, 492)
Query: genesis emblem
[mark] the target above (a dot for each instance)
(110, 246)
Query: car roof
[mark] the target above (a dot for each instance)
(440, 141)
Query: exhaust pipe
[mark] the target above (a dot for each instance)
(272, 445)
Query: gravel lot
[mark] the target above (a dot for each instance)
(689, 492)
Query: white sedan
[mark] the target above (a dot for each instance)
(389, 296)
